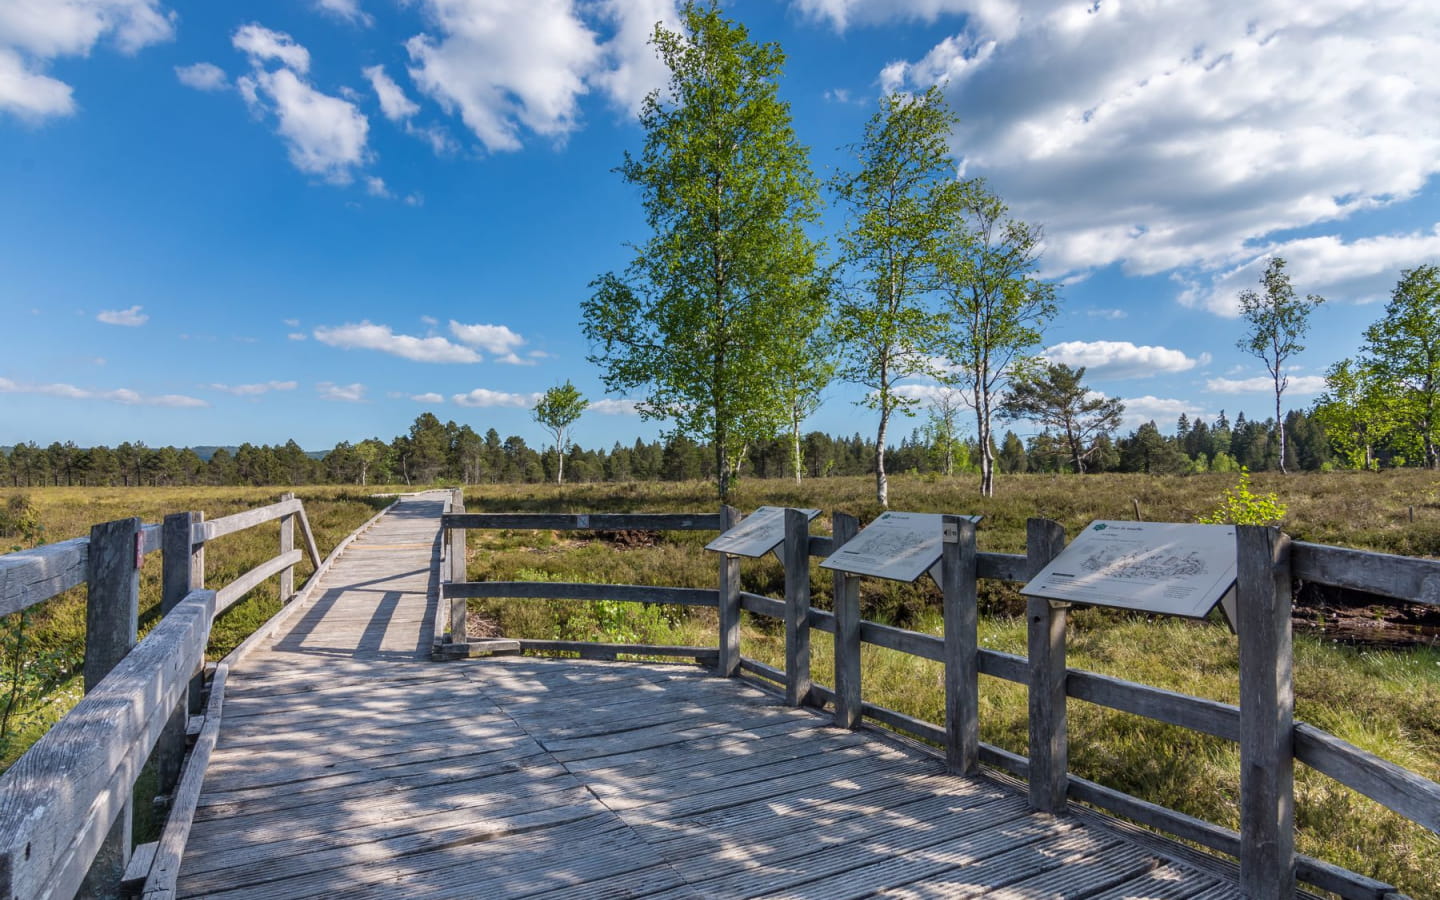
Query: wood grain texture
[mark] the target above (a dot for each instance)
(59, 800)
(31, 576)
(795, 553)
(1049, 739)
(216, 528)
(845, 589)
(287, 543)
(1267, 710)
(1413, 796)
(235, 590)
(728, 601)
(962, 646)
(1403, 577)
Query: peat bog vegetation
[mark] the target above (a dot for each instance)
(1383, 699)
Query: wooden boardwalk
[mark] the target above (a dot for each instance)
(351, 765)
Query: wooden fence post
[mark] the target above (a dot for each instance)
(112, 618)
(182, 571)
(459, 572)
(728, 664)
(1267, 708)
(796, 552)
(962, 646)
(1049, 747)
(846, 591)
(287, 543)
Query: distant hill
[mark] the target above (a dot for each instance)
(205, 452)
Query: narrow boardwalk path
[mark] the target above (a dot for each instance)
(350, 765)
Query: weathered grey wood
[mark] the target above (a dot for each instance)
(287, 543)
(1167, 821)
(60, 799)
(1003, 566)
(112, 616)
(30, 576)
(165, 868)
(459, 570)
(1350, 885)
(1005, 665)
(553, 590)
(904, 724)
(179, 575)
(593, 522)
(1404, 577)
(612, 650)
(311, 549)
(1267, 708)
(1205, 716)
(1049, 741)
(821, 546)
(246, 583)
(1005, 761)
(846, 603)
(962, 645)
(925, 646)
(1412, 796)
(216, 528)
(767, 606)
(139, 868)
(796, 553)
(728, 602)
(769, 673)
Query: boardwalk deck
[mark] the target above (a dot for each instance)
(350, 765)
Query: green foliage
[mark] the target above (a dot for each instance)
(1278, 319)
(717, 298)
(1054, 395)
(996, 306)
(559, 408)
(1403, 352)
(1242, 506)
(901, 200)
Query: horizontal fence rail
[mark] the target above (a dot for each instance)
(1412, 580)
(65, 804)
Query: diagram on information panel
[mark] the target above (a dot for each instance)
(1114, 562)
(893, 544)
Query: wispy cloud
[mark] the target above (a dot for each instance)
(613, 407)
(343, 393)
(131, 317)
(203, 76)
(1262, 384)
(1122, 359)
(255, 390)
(123, 396)
(496, 339)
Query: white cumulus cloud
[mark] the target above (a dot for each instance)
(123, 396)
(506, 65)
(203, 76)
(349, 10)
(367, 336)
(1121, 359)
(263, 46)
(393, 103)
(35, 32)
(1168, 137)
(131, 317)
(633, 68)
(430, 397)
(325, 135)
(484, 397)
(497, 339)
(1163, 411)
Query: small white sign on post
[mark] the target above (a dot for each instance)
(1155, 567)
(757, 534)
(898, 546)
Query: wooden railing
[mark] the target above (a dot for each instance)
(65, 805)
(1270, 741)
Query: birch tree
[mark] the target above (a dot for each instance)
(900, 200)
(1278, 320)
(694, 325)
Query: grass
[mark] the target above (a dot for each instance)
(1385, 701)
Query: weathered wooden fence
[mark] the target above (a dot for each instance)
(1262, 724)
(65, 805)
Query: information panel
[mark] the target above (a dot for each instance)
(757, 534)
(1156, 567)
(898, 546)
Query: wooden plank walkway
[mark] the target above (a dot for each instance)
(351, 765)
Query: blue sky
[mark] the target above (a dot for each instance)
(316, 219)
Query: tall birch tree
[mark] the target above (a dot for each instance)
(900, 199)
(695, 322)
(1278, 320)
(995, 307)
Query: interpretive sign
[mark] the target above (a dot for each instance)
(898, 546)
(1156, 567)
(758, 534)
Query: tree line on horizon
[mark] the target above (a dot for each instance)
(432, 452)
